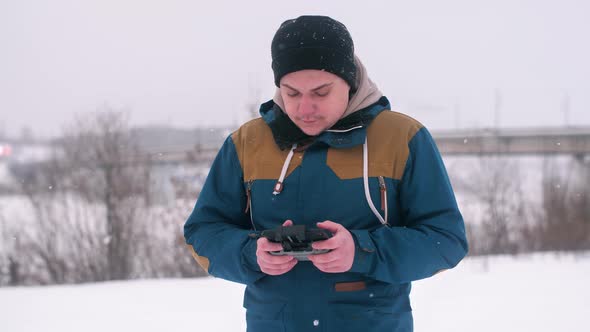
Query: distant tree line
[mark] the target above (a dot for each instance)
(94, 219)
(509, 219)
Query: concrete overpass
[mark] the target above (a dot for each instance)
(531, 141)
(517, 142)
(573, 141)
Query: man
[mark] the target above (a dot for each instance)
(327, 152)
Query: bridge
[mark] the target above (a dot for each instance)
(531, 141)
(573, 141)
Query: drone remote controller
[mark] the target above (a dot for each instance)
(297, 240)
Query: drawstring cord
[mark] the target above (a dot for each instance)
(279, 185)
(344, 130)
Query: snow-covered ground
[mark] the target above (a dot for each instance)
(539, 292)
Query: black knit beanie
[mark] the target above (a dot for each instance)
(313, 42)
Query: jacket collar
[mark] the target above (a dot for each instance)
(347, 132)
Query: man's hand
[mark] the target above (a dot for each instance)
(273, 265)
(341, 257)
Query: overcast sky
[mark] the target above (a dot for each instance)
(199, 63)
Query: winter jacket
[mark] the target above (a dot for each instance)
(406, 183)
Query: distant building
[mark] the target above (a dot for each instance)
(5, 150)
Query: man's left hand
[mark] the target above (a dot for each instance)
(341, 257)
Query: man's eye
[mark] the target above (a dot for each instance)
(322, 94)
(293, 94)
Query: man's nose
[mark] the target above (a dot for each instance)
(306, 106)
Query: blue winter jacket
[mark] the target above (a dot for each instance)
(424, 231)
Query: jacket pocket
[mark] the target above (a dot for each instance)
(265, 317)
(353, 317)
(369, 293)
(365, 298)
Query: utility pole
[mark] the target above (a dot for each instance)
(253, 103)
(565, 108)
(457, 111)
(497, 107)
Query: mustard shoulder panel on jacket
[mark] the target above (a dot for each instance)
(387, 138)
(253, 140)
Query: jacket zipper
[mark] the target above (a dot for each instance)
(249, 202)
(248, 195)
(383, 190)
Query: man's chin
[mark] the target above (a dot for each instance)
(311, 131)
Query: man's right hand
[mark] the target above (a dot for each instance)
(273, 265)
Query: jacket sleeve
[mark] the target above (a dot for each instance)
(218, 228)
(433, 238)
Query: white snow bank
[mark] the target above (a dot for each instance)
(540, 292)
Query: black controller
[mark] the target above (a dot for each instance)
(296, 240)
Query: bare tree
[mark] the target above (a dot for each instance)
(110, 171)
(84, 204)
(502, 205)
(89, 213)
(165, 245)
(564, 219)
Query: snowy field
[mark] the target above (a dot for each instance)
(540, 292)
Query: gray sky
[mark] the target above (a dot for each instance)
(195, 63)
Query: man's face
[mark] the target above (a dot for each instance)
(314, 99)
